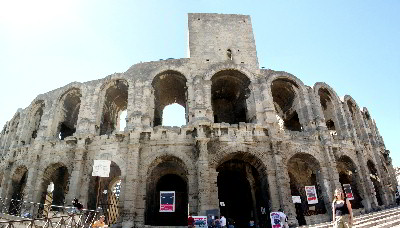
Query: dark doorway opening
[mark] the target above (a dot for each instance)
(168, 182)
(240, 188)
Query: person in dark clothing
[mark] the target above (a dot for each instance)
(341, 210)
(210, 221)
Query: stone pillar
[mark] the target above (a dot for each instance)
(203, 177)
(207, 100)
(283, 185)
(32, 179)
(5, 183)
(213, 200)
(332, 171)
(131, 182)
(75, 180)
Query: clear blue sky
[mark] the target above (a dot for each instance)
(354, 46)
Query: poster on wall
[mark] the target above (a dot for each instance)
(275, 219)
(348, 192)
(200, 221)
(311, 194)
(101, 168)
(296, 199)
(167, 201)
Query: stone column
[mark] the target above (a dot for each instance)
(203, 176)
(131, 182)
(5, 183)
(283, 184)
(32, 179)
(75, 180)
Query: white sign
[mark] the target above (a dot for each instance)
(101, 168)
(311, 194)
(296, 199)
(222, 204)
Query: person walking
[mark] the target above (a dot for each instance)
(341, 210)
(210, 221)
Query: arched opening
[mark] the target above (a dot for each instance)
(104, 192)
(373, 175)
(35, 120)
(169, 88)
(54, 186)
(115, 102)
(304, 170)
(353, 114)
(174, 115)
(12, 131)
(169, 175)
(68, 113)
(348, 175)
(230, 92)
(328, 110)
(18, 184)
(243, 191)
(286, 102)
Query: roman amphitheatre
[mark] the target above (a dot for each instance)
(253, 138)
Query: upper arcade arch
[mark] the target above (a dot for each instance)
(354, 114)
(288, 101)
(168, 87)
(35, 117)
(113, 101)
(67, 113)
(11, 131)
(231, 97)
(331, 107)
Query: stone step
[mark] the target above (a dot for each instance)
(371, 219)
(377, 221)
(391, 224)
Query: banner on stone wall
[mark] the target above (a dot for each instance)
(101, 168)
(311, 194)
(200, 221)
(348, 192)
(167, 201)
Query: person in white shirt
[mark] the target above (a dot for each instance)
(284, 222)
(223, 221)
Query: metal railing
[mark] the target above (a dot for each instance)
(33, 214)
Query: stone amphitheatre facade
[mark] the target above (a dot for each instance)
(253, 138)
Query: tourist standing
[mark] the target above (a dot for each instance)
(341, 210)
(284, 219)
(210, 221)
(190, 221)
(223, 221)
(100, 223)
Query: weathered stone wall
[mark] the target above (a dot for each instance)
(69, 127)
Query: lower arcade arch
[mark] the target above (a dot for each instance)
(373, 175)
(348, 175)
(243, 189)
(104, 192)
(304, 170)
(168, 175)
(54, 185)
(18, 183)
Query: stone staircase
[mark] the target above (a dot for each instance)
(382, 219)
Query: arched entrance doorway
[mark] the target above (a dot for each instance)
(348, 175)
(373, 175)
(18, 184)
(168, 175)
(54, 187)
(304, 170)
(243, 190)
(104, 193)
